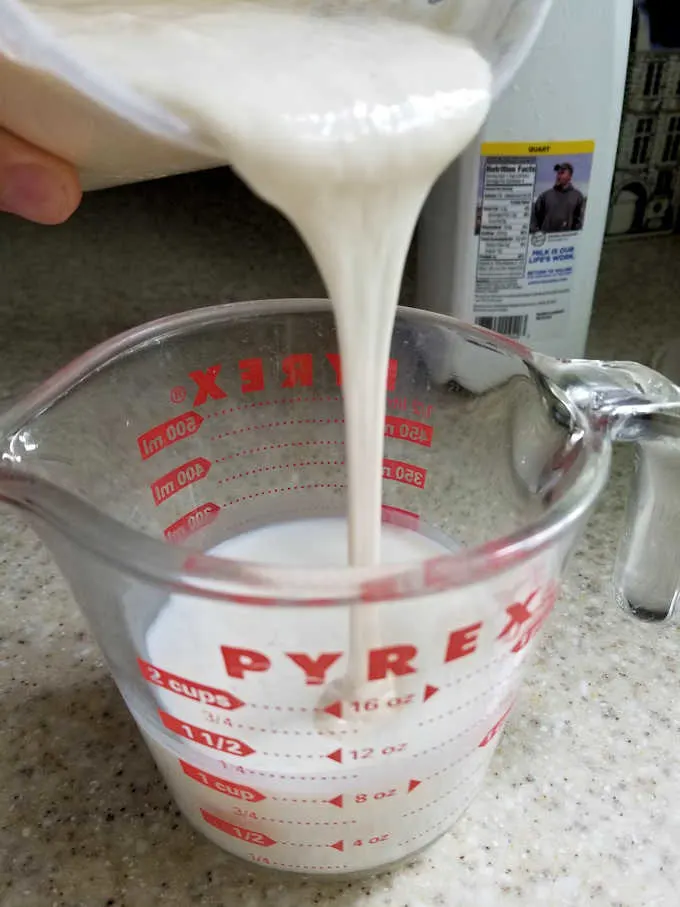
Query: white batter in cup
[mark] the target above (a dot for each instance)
(270, 754)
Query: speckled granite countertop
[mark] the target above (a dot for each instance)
(582, 804)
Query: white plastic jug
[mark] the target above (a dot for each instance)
(114, 134)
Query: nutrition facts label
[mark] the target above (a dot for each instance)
(531, 207)
(507, 199)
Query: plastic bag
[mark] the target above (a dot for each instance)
(48, 98)
(113, 134)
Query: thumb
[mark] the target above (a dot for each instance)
(34, 184)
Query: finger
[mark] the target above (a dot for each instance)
(34, 184)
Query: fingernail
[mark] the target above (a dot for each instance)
(34, 192)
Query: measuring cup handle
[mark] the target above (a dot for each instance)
(647, 570)
(633, 403)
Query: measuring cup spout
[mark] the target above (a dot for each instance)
(631, 402)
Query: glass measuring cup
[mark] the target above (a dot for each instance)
(143, 455)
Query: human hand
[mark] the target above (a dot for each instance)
(34, 184)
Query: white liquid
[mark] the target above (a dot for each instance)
(344, 123)
(409, 764)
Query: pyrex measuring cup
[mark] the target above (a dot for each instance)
(158, 445)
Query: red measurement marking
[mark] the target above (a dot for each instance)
(430, 831)
(196, 519)
(367, 752)
(178, 394)
(370, 705)
(417, 407)
(408, 430)
(283, 777)
(395, 516)
(306, 824)
(230, 788)
(339, 845)
(251, 451)
(524, 623)
(168, 433)
(457, 736)
(261, 469)
(177, 479)
(339, 801)
(279, 424)
(243, 834)
(451, 766)
(298, 867)
(221, 699)
(258, 404)
(406, 473)
(205, 738)
(429, 692)
(495, 729)
(272, 491)
(376, 839)
(379, 795)
(465, 704)
(469, 781)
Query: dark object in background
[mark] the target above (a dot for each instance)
(645, 197)
(664, 22)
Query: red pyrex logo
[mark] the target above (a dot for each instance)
(296, 370)
(524, 622)
(397, 660)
